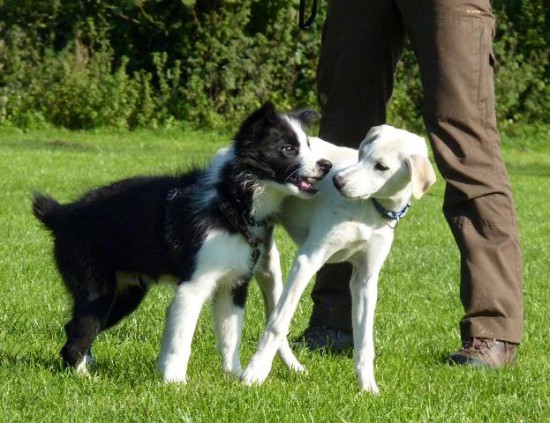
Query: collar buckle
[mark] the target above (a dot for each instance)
(394, 216)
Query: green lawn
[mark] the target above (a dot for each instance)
(416, 323)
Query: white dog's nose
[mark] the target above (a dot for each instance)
(338, 181)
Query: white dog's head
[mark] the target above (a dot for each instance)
(391, 162)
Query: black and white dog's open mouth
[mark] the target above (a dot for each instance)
(306, 184)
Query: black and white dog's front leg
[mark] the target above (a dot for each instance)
(269, 278)
(228, 307)
(181, 322)
(302, 271)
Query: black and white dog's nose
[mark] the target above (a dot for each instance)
(338, 181)
(324, 165)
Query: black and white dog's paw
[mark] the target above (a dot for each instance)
(172, 372)
(85, 365)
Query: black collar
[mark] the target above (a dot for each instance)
(391, 215)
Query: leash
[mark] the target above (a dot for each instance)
(395, 216)
(306, 24)
(239, 221)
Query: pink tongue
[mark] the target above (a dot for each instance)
(305, 185)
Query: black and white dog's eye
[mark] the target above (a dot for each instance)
(381, 167)
(289, 149)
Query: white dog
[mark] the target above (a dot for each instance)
(352, 219)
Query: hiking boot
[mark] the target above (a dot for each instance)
(485, 352)
(322, 338)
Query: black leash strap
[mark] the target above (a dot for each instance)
(236, 220)
(303, 23)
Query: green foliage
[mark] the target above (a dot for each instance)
(89, 64)
(523, 60)
(242, 58)
(405, 106)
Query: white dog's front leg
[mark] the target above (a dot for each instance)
(364, 294)
(181, 321)
(259, 367)
(269, 278)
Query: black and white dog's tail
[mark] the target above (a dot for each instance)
(46, 209)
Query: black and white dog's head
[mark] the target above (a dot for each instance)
(275, 150)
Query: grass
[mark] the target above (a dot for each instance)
(416, 324)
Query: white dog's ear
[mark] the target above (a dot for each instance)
(374, 133)
(422, 174)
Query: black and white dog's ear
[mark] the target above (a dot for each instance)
(255, 122)
(307, 116)
(267, 109)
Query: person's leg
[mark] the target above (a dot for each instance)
(362, 43)
(453, 43)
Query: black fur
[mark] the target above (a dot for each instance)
(151, 226)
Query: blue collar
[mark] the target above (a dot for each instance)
(392, 215)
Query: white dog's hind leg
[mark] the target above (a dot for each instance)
(229, 323)
(302, 271)
(269, 278)
(181, 321)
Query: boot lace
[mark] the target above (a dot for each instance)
(476, 345)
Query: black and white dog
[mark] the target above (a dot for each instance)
(207, 229)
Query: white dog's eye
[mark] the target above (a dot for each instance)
(381, 167)
(288, 148)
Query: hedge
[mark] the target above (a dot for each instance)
(149, 63)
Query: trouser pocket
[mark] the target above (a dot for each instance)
(454, 53)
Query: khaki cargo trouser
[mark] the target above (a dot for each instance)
(452, 39)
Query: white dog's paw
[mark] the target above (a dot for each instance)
(298, 368)
(255, 374)
(290, 360)
(236, 371)
(369, 386)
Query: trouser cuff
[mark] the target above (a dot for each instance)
(501, 328)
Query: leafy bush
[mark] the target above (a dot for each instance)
(523, 61)
(241, 59)
(84, 64)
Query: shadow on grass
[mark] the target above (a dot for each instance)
(51, 363)
(51, 145)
